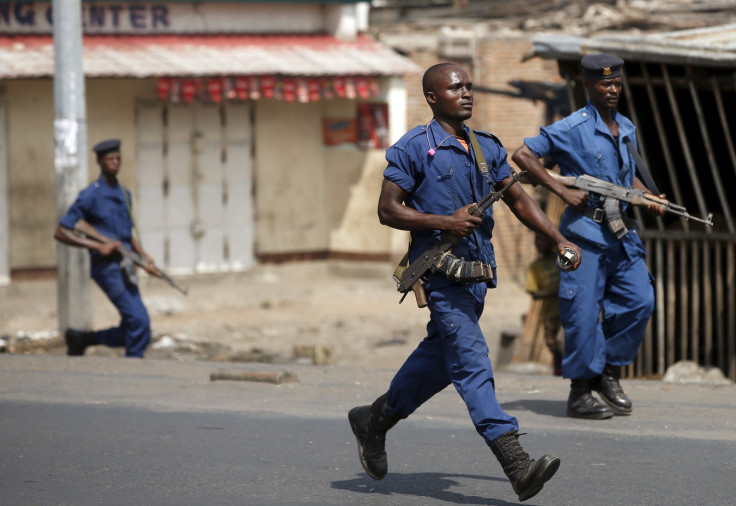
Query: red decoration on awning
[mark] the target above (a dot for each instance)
(268, 86)
(327, 92)
(289, 89)
(362, 85)
(241, 87)
(188, 90)
(350, 91)
(338, 84)
(163, 87)
(255, 88)
(302, 89)
(313, 89)
(215, 87)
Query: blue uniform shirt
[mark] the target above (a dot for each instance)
(582, 144)
(102, 206)
(444, 182)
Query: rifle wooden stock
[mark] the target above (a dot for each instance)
(91, 232)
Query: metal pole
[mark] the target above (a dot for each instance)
(70, 159)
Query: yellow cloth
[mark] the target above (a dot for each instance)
(543, 276)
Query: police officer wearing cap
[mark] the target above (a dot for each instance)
(106, 205)
(613, 279)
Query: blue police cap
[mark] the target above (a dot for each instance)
(108, 146)
(601, 66)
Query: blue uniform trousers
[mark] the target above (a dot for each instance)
(134, 331)
(605, 306)
(456, 352)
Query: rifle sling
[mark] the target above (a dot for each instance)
(641, 165)
(479, 158)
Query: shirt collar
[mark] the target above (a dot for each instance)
(437, 134)
(623, 129)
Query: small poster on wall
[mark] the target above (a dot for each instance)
(339, 131)
(372, 125)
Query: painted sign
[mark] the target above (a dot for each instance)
(38, 17)
(161, 18)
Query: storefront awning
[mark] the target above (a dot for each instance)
(29, 56)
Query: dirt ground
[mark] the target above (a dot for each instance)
(343, 313)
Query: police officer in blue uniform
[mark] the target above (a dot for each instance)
(106, 205)
(431, 180)
(613, 278)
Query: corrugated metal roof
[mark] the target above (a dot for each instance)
(203, 55)
(713, 46)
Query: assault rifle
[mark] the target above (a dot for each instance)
(412, 277)
(612, 194)
(130, 257)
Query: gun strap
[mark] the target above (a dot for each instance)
(479, 158)
(642, 166)
(128, 206)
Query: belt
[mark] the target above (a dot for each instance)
(598, 215)
(99, 259)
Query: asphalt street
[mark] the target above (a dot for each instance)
(94, 430)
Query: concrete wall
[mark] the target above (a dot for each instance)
(31, 179)
(288, 178)
(309, 198)
(31, 176)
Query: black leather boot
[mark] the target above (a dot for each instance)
(77, 341)
(370, 424)
(609, 388)
(581, 404)
(527, 476)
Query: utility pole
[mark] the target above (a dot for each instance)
(70, 159)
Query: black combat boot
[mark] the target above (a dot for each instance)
(581, 404)
(610, 389)
(370, 424)
(527, 476)
(77, 341)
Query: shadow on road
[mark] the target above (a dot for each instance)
(541, 407)
(433, 485)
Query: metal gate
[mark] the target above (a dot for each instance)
(195, 173)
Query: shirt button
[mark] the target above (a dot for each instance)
(467, 164)
(585, 114)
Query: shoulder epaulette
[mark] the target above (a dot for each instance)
(577, 118)
(487, 134)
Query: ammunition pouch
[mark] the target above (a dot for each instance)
(128, 268)
(461, 270)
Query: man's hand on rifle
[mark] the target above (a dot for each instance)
(650, 201)
(108, 248)
(577, 199)
(461, 223)
(150, 267)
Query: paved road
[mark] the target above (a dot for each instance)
(115, 431)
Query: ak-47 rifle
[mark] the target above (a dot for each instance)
(129, 256)
(612, 194)
(413, 275)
